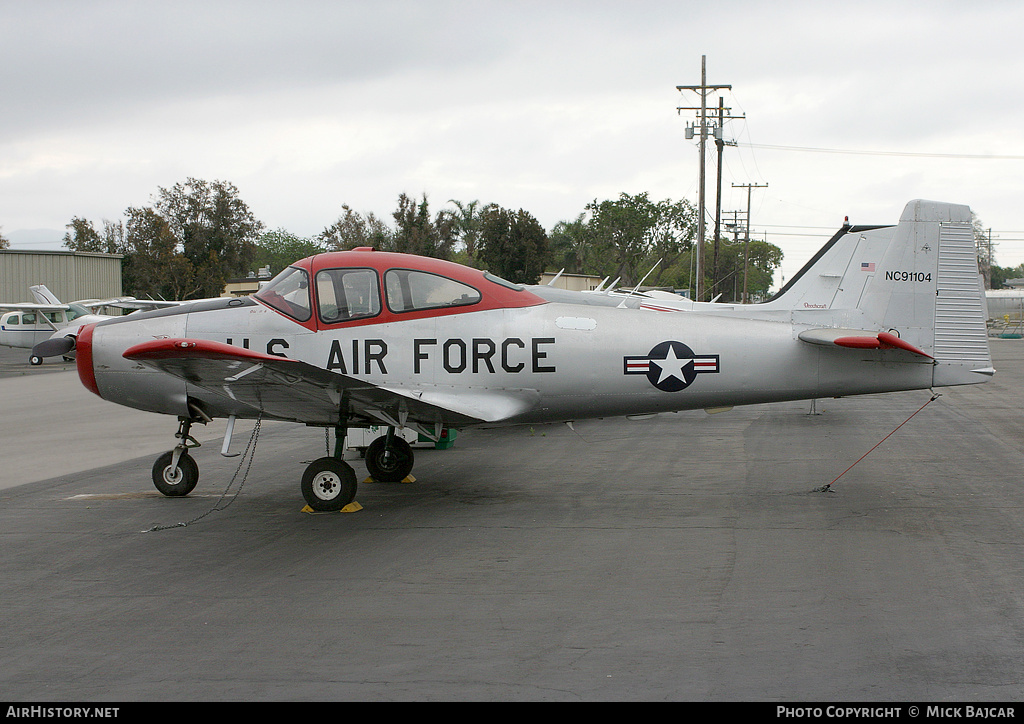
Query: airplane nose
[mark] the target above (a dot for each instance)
(83, 359)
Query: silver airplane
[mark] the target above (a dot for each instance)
(49, 327)
(362, 337)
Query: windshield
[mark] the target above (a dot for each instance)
(288, 292)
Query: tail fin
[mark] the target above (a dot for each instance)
(43, 295)
(918, 281)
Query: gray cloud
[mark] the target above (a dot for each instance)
(308, 105)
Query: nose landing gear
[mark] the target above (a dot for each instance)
(175, 473)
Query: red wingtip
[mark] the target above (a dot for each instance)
(203, 348)
(891, 340)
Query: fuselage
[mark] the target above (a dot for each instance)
(424, 326)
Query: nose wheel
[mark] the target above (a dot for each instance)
(175, 478)
(175, 473)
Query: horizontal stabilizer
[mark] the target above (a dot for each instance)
(859, 339)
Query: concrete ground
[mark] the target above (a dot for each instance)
(685, 557)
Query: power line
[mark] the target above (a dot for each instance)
(806, 149)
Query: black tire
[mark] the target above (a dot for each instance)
(328, 484)
(176, 482)
(389, 466)
(35, 360)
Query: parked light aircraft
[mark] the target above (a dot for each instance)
(363, 337)
(49, 328)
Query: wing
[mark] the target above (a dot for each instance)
(94, 304)
(859, 339)
(294, 390)
(141, 304)
(29, 306)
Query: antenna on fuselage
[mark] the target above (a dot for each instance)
(623, 303)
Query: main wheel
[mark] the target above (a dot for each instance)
(389, 465)
(178, 481)
(328, 484)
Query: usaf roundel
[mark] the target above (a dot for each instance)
(670, 366)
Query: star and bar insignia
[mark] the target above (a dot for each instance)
(670, 366)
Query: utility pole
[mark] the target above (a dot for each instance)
(720, 143)
(723, 114)
(746, 240)
(988, 260)
(703, 89)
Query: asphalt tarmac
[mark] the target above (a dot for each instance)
(685, 557)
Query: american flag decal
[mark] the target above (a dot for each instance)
(867, 266)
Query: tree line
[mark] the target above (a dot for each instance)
(196, 235)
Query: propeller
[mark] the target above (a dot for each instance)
(54, 347)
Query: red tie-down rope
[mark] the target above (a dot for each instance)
(827, 488)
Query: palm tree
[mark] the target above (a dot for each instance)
(468, 222)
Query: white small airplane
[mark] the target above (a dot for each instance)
(49, 327)
(359, 338)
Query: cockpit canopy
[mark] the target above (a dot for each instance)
(364, 285)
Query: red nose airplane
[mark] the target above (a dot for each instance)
(362, 338)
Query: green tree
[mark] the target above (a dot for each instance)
(4, 242)
(82, 236)
(353, 230)
(513, 244)
(193, 238)
(983, 242)
(214, 227)
(1001, 274)
(468, 223)
(570, 243)
(277, 249)
(760, 259)
(632, 235)
(417, 233)
(153, 265)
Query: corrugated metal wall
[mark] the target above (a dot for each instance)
(69, 275)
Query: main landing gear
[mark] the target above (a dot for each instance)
(328, 483)
(389, 458)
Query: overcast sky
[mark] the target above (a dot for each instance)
(544, 106)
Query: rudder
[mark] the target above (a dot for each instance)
(927, 290)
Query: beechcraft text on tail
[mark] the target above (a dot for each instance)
(366, 338)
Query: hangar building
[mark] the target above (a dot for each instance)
(70, 275)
